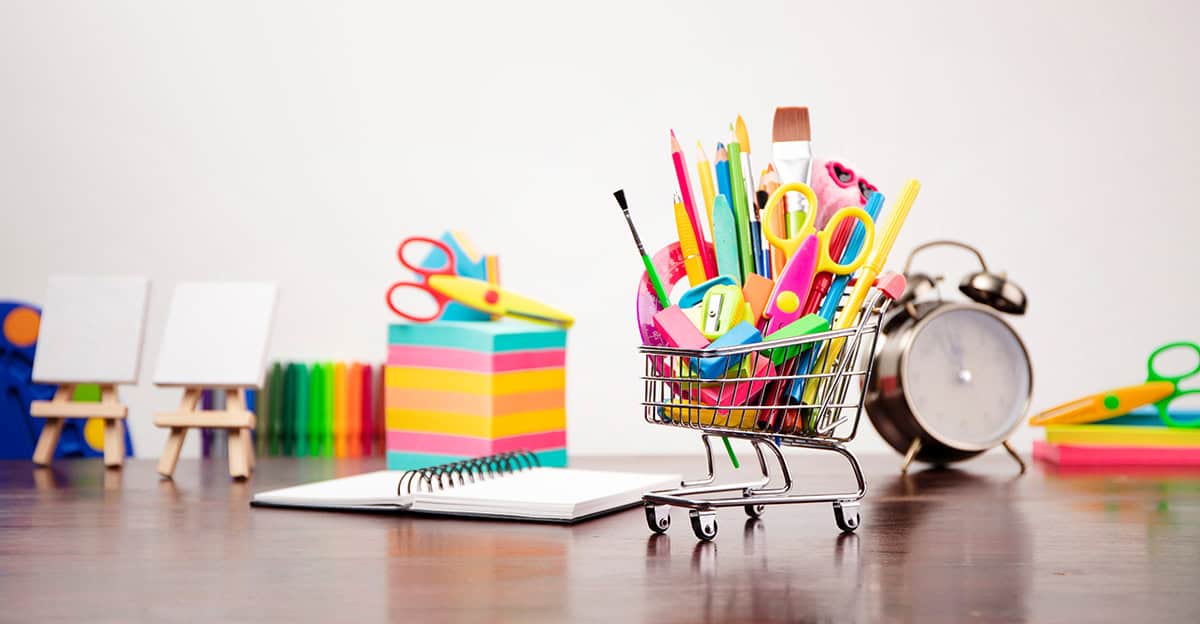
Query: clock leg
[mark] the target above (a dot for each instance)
(1008, 447)
(913, 449)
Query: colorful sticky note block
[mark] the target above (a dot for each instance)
(496, 337)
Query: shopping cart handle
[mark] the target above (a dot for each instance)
(890, 284)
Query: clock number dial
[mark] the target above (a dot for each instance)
(967, 378)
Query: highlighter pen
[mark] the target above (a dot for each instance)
(830, 305)
(741, 210)
(663, 300)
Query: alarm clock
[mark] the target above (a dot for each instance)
(951, 379)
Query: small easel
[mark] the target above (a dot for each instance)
(56, 412)
(235, 417)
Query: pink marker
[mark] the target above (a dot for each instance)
(792, 285)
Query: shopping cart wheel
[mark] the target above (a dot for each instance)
(755, 511)
(704, 524)
(846, 516)
(658, 518)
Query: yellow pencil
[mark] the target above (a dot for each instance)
(688, 245)
(706, 183)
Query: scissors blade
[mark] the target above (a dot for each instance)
(491, 299)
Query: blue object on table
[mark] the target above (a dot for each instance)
(18, 430)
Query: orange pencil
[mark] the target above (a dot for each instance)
(339, 409)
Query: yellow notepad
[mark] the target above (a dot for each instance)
(1122, 436)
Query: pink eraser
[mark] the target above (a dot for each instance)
(678, 329)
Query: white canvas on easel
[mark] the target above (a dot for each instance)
(91, 332)
(216, 337)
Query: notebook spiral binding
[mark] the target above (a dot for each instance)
(445, 476)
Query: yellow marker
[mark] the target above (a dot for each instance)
(866, 278)
(706, 183)
(687, 244)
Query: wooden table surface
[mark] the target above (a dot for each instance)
(977, 543)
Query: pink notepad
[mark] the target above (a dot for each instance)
(1088, 455)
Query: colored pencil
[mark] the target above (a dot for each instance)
(689, 203)
(758, 244)
(706, 185)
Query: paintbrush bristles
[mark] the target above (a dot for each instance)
(620, 195)
(791, 124)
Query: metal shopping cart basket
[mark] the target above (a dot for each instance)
(747, 393)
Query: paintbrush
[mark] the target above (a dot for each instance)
(792, 154)
(663, 300)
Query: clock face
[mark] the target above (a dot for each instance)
(967, 378)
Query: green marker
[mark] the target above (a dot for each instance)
(741, 210)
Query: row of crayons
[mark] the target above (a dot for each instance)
(324, 409)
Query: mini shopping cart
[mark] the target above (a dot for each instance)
(753, 400)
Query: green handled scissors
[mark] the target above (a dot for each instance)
(1159, 389)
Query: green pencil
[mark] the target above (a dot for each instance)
(741, 210)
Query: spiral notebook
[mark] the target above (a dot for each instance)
(508, 486)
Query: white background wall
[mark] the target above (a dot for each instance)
(300, 141)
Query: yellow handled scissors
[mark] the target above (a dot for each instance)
(442, 285)
(1159, 389)
(825, 261)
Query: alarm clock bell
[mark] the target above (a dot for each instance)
(952, 379)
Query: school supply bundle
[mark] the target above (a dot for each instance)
(785, 293)
(1104, 429)
(461, 380)
(508, 486)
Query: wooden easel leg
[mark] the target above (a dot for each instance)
(114, 431)
(238, 465)
(170, 456)
(48, 441)
(114, 442)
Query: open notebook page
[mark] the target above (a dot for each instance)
(551, 493)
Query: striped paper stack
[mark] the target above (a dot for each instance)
(1136, 439)
(456, 390)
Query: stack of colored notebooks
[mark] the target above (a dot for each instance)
(459, 389)
(1136, 439)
